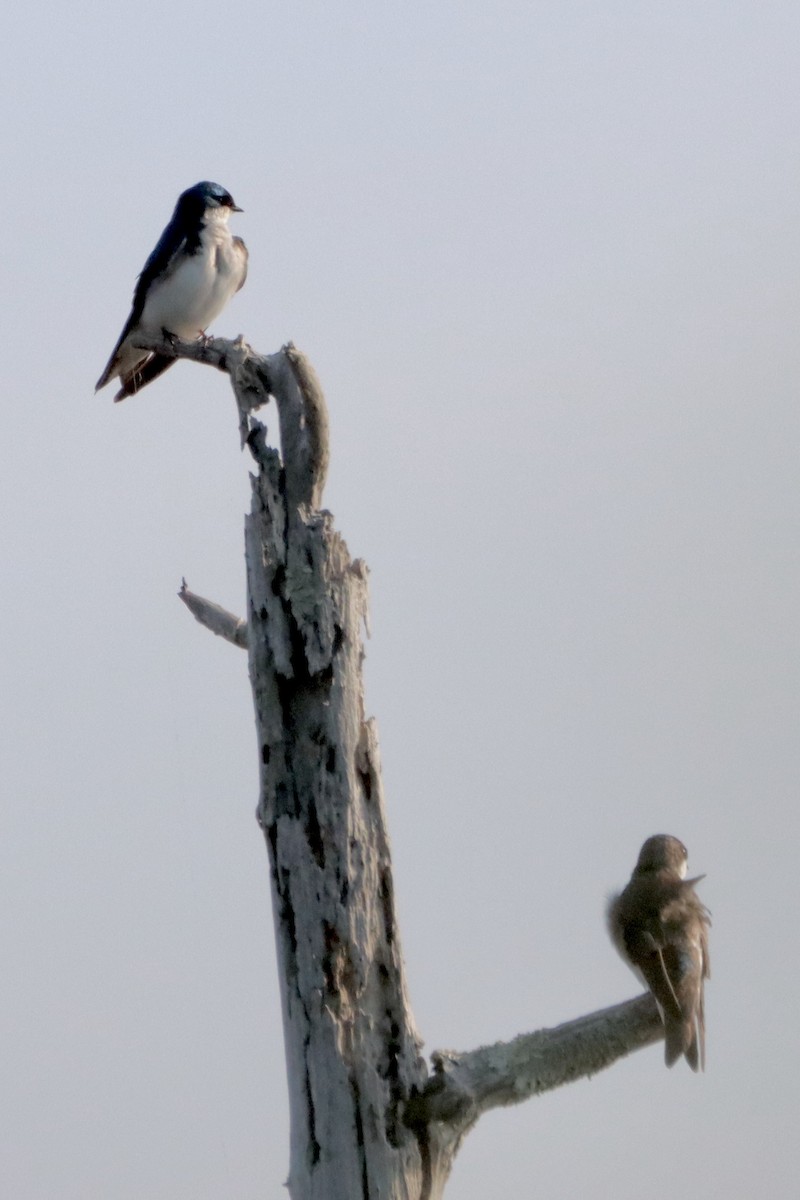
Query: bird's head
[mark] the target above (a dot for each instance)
(662, 852)
(207, 197)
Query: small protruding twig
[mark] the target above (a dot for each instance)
(221, 622)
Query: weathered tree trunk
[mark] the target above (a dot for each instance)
(368, 1121)
(351, 1048)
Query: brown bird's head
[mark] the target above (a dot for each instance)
(662, 852)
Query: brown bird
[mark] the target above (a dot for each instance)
(660, 928)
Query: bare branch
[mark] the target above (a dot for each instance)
(221, 622)
(466, 1085)
(250, 373)
(290, 378)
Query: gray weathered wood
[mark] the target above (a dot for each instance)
(351, 1047)
(221, 622)
(369, 1121)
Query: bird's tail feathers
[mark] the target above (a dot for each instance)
(142, 374)
(683, 1038)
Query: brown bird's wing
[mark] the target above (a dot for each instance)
(685, 922)
(648, 949)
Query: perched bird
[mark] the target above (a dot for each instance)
(186, 282)
(660, 928)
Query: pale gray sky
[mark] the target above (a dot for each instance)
(545, 259)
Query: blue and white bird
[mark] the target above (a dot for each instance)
(196, 267)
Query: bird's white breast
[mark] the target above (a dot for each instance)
(197, 289)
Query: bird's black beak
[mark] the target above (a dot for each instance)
(235, 208)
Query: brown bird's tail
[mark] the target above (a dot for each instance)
(681, 1039)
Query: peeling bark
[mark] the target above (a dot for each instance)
(351, 1046)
